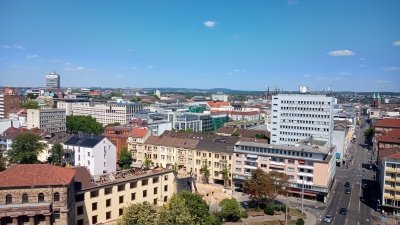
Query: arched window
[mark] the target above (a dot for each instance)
(25, 198)
(40, 197)
(56, 197)
(8, 199)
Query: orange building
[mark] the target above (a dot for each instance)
(118, 135)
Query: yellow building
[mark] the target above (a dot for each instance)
(389, 180)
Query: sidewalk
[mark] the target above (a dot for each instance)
(310, 219)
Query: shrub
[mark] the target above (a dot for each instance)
(300, 221)
(277, 207)
(283, 208)
(243, 214)
(269, 210)
(262, 205)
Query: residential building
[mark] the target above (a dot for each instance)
(10, 101)
(52, 81)
(389, 140)
(49, 120)
(68, 103)
(109, 113)
(38, 194)
(389, 177)
(118, 135)
(299, 116)
(95, 152)
(342, 136)
(219, 97)
(7, 137)
(384, 126)
(310, 166)
(137, 138)
(186, 121)
(102, 199)
(234, 131)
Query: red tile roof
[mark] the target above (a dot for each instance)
(139, 132)
(13, 132)
(390, 137)
(389, 153)
(218, 104)
(390, 123)
(26, 175)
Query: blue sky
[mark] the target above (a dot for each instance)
(246, 45)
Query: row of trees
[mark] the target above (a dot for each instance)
(86, 124)
(26, 148)
(184, 208)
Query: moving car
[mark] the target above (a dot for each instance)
(343, 211)
(328, 219)
(347, 191)
(347, 184)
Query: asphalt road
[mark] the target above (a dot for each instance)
(361, 201)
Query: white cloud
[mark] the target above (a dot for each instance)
(343, 52)
(5, 46)
(33, 56)
(79, 69)
(210, 24)
(362, 59)
(150, 67)
(396, 43)
(293, 2)
(13, 46)
(391, 68)
(236, 70)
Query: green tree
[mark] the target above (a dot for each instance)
(113, 124)
(125, 158)
(265, 186)
(31, 96)
(260, 136)
(30, 105)
(115, 94)
(147, 162)
(175, 170)
(3, 163)
(205, 171)
(369, 134)
(225, 175)
(198, 208)
(139, 214)
(230, 210)
(86, 124)
(25, 148)
(136, 99)
(56, 153)
(175, 212)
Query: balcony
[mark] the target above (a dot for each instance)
(304, 166)
(252, 167)
(390, 169)
(305, 182)
(389, 188)
(388, 196)
(392, 179)
(276, 163)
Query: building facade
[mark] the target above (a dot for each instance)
(109, 113)
(53, 81)
(37, 194)
(310, 168)
(299, 116)
(95, 152)
(67, 104)
(9, 103)
(49, 120)
(389, 177)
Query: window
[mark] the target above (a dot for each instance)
(144, 193)
(79, 198)
(56, 197)
(8, 199)
(121, 199)
(145, 182)
(108, 215)
(165, 187)
(56, 214)
(94, 194)
(25, 198)
(94, 206)
(166, 177)
(108, 202)
(121, 187)
(155, 201)
(108, 190)
(80, 222)
(94, 219)
(133, 184)
(165, 198)
(121, 211)
(155, 180)
(155, 190)
(40, 197)
(133, 196)
(79, 210)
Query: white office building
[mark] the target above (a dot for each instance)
(68, 103)
(53, 81)
(299, 116)
(109, 113)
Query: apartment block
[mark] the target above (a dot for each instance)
(49, 120)
(299, 116)
(389, 179)
(311, 166)
(101, 199)
(95, 152)
(110, 112)
(67, 104)
(9, 101)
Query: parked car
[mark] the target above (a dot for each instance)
(347, 191)
(347, 184)
(328, 219)
(364, 185)
(343, 211)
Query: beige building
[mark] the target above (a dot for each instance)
(109, 113)
(101, 199)
(37, 194)
(49, 120)
(389, 179)
(311, 166)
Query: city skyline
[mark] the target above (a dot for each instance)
(348, 46)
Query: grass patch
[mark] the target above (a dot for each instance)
(296, 212)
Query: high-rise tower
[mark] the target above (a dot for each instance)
(53, 81)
